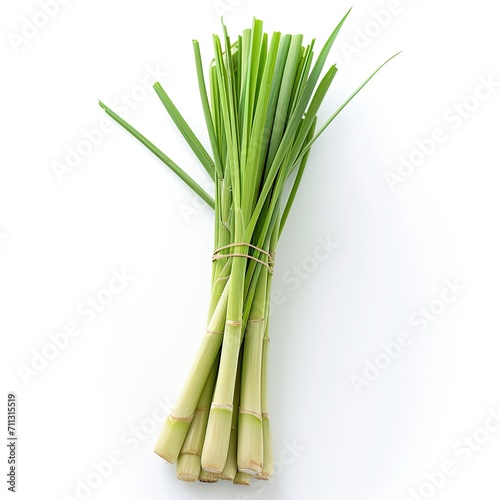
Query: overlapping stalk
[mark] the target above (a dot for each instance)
(261, 114)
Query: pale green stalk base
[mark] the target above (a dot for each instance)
(231, 467)
(188, 467)
(196, 433)
(242, 478)
(216, 445)
(250, 440)
(250, 444)
(189, 461)
(171, 438)
(268, 465)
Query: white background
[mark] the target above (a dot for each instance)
(120, 208)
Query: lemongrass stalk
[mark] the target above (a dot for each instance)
(189, 462)
(250, 443)
(216, 445)
(242, 478)
(176, 426)
(267, 463)
(250, 439)
(218, 435)
(231, 467)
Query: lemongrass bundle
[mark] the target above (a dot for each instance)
(260, 109)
